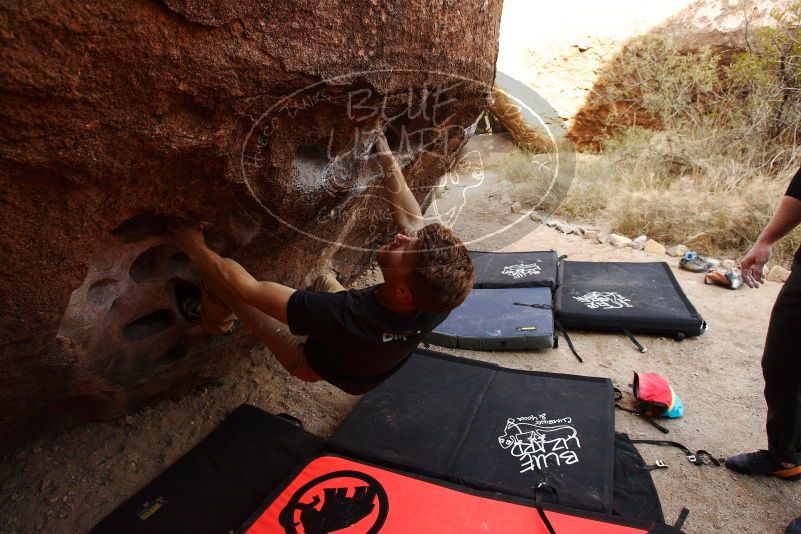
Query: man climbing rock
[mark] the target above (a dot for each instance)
(355, 338)
(781, 360)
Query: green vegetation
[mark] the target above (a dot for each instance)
(699, 145)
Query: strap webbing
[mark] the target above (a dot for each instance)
(538, 503)
(540, 306)
(696, 458)
(545, 520)
(658, 465)
(681, 519)
(562, 330)
(636, 343)
(647, 418)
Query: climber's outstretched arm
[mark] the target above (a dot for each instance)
(405, 209)
(229, 277)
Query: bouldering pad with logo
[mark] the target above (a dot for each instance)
(218, 484)
(499, 319)
(490, 428)
(514, 269)
(623, 296)
(635, 495)
(336, 494)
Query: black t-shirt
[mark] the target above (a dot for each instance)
(795, 191)
(354, 342)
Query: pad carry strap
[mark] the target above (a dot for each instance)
(561, 329)
(647, 417)
(681, 519)
(696, 458)
(658, 465)
(538, 502)
(634, 340)
(545, 520)
(540, 306)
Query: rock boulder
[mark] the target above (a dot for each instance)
(779, 274)
(252, 119)
(618, 240)
(654, 247)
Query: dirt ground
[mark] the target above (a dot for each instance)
(67, 483)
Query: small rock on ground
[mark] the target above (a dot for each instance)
(563, 227)
(590, 234)
(639, 243)
(516, 207)
(618, 240)
(779, 274)
(537, 216)
(653, 246)
(677, 251)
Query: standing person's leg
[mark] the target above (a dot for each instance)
(781, 367)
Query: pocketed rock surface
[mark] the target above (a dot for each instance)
(68, 482)
(115, 116)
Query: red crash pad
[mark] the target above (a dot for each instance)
(335, 494)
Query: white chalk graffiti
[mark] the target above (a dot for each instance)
(605, 300)
(541, 443)
(521, 269)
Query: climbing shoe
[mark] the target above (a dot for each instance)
(692, 262)
(722, 277)
(762, 463)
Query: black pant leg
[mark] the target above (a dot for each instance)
(781, 367)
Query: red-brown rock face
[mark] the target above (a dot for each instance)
(248, 117)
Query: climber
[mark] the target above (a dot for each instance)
(354, 338)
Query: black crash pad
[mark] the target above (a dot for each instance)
(515, 269)
(219, 483)
(618, 296)
(490, 428)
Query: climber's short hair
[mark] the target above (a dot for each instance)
(442, 275)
